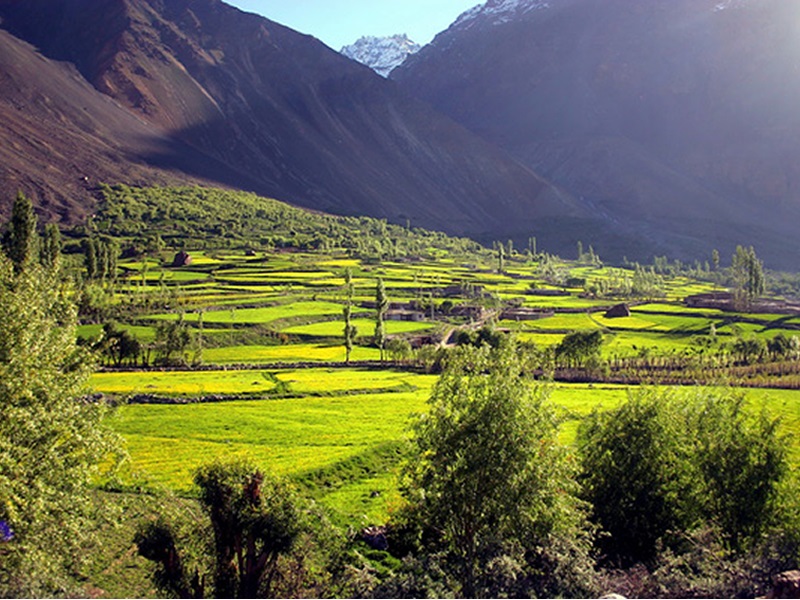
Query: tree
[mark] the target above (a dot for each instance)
(172, 337)
(748, 277)
(398, 348)
(254, 521)
(664, 464)
(634, 472)
(487, 478)
(743, 460)
(580, 348)
(52, 439)
(750, 349)
(50, 253)
(501, 255)
(22, 240)
(350, 330)
(532, 245)
(119, 345)
(381, 306)
(100, 257)
(90, 258)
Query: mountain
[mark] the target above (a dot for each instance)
(381, 54)
(674, 122)
(143, 91)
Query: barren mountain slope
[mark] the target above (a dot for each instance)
(288, 116)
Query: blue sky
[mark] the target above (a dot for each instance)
(341, 22)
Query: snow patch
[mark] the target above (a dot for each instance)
(381, 54)
(499, 11)
(730, 4)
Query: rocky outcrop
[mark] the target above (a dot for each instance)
(787, 585)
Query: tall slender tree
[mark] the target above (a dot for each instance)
(22, 240)
(501, 257)
(381, 306)
(50, 252)
(748, 276)
(349, 329)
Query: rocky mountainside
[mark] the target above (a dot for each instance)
(142, 91)
(674, 123)
(381, 54)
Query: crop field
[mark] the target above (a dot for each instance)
(255, 382)
(298, 437)
(289, 353)
(264, 314)
(309, 437)
(365, 327)
(339, 433)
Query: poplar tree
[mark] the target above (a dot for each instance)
(349, 329)
(22, 240)
(500, 257)
(50, 253)
(381, 306)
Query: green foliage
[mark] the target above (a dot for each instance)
(254, 521)
(381, 306)
(747, 273)
(743, 460)
(580, 348)
(749, 349)
(661, 465)
(487, 335)
(158, 541)
(350, 331)
(489, 485)
(197, 217)
(100, 257)
(398, 349)
(782, 347)
(635, 473)
(22, 240)
(52, 438)
(172, 338)
(50, 252)
(119, 345)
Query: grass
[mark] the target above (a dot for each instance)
(260, 315)
(289, 353)
(303, 381)
(296, 437)
(344, 449)
(365, 327)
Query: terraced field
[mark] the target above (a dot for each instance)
(339, 432)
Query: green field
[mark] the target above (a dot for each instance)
(309, 436)
(261, 315)
(269, 300)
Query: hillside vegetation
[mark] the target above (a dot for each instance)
(384, 374)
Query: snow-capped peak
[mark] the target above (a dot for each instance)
(381, 54)
(729, 4)
(499, 11)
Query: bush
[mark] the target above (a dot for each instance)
(490, 488)
(663, 464)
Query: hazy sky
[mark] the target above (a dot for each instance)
(341, 22)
